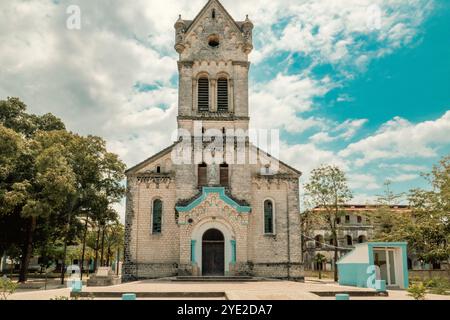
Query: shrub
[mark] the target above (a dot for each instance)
(7, 287)
(417, 291)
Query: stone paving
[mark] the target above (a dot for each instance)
(265, 290)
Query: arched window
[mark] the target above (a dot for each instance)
(268, 217)
(222, 95)
(157, 216)
(362, 239)
(158, 169)
(203, 94)
(349, 240)
(319, 241)
(202, 175)
(224, 175)
(359, 219)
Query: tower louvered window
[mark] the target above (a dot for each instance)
(222, 95)
(203, 95)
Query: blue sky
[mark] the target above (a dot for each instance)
(364, 84)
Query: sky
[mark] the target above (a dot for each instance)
(362, 84)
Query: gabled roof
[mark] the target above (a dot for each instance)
(204, 9)
(191, 204)
(281, 162)
(151, 159)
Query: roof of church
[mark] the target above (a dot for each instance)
(189, 204)
(189, 23)
(152, 158)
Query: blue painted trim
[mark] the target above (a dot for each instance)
(223, 197)
(355, 273)
(193, 243)
(403, 246)
(233, 251)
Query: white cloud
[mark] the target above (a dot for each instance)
(403, 177)
(329, 31)
(362, 181)
(399, 138)
(405, 167)
(277, 103)
(344, 131)
(349, 128)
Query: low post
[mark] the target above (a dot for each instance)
(77, 285)
(129, 296)
(380, 285)
(342, 297)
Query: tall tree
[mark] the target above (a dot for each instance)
(327, 188)
(49, 179)
(426, 227)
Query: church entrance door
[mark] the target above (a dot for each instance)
(213, 253)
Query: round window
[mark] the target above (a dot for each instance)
(213, 41)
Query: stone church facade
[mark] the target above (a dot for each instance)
(212, 218)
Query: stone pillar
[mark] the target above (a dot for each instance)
(194, 94)
(231, 95)
(212, 95)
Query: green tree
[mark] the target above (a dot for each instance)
(426, 227)
(327, 188)
(320, 259)
(51, 179)
(430, 234)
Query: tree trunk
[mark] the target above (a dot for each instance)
(96, 249)
(84, 246)
(28, 250)
(335, 256)
(63, 262)
(66, 239)
(108, 253)
(103, 246)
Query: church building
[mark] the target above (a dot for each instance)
(228, 216)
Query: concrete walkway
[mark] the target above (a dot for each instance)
(266, 290)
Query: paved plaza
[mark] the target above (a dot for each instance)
(261, 290)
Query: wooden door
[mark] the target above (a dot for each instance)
(213, 253)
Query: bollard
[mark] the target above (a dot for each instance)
(129, 296)
(342, 297)
(77, 285)
(380, 285)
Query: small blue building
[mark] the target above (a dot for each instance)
(389, 259)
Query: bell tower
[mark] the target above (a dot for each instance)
(213, 69)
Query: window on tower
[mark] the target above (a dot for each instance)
(202, 175)
(203, 95)
(222, 95)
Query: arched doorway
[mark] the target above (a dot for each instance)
(213, 253)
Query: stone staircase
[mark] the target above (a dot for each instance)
(215, 279)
